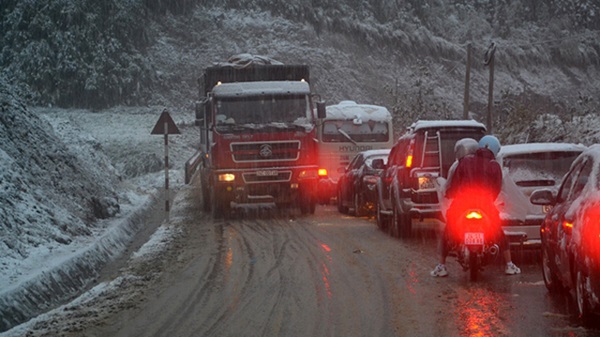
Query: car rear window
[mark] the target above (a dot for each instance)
(539, 169)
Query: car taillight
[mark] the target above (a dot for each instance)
(590, 232)
(322, 172)
(409, 154)
(409, 160)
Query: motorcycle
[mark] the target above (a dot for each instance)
(475, 245)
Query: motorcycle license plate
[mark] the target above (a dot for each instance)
(473, 238)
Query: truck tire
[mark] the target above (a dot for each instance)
(219, 209)
(308, 204)
(206, 203)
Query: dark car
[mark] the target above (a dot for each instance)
(356, 186)
(407, 186)
(526, 168)
(571, 233)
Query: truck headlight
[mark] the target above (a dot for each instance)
(226, 177)
(305, 174)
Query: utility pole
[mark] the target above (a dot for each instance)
(489, 61)
(467, 83)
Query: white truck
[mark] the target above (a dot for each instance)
(347, 129)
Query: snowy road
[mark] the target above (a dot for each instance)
(319, 275)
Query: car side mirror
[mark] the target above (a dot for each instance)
(378, 164)
(543, 197)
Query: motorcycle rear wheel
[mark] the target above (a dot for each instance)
(473, 267)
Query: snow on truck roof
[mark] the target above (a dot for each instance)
(348, 110)
(239, 89)
(511, 149)
(431, 124)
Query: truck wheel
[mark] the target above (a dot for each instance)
(205, 198)
(218, 207)
(308, 203)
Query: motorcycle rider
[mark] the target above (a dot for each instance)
(481, 172)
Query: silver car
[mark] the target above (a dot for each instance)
(527, 167)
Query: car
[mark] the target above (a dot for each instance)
(356, 185)
(570, 234)
(407, 186)
(527, 167)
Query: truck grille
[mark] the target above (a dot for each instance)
(267, 176)
(266, 151)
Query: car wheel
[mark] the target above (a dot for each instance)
(340, 203)
(393, 226)
(581, 293)
(550, 279)
(382, 220)
(358, 205)
(404, 225)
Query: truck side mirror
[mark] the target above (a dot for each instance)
(321, 110)
(199, 109)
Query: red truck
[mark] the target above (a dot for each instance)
(257, 135)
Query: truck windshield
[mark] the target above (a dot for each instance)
(336, 131)
(263, 109)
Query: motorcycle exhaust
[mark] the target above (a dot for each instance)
(493, 250)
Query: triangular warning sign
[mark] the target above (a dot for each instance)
(159, 128)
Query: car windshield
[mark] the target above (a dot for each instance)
(541, 168)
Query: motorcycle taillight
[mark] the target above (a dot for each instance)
(474, 215)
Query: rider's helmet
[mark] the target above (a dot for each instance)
(490, 142)
(464, 147)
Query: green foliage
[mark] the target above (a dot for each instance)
(77, 53)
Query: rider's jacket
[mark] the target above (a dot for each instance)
(479, 172)
(476, 183)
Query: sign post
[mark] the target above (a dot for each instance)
(165, 126)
